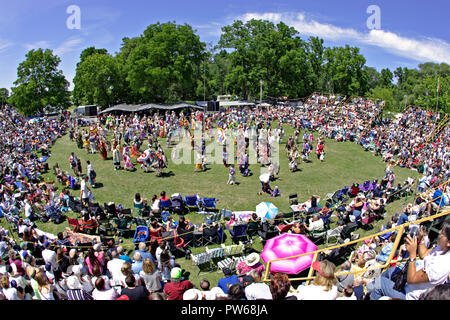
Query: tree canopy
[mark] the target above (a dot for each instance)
(39, 83)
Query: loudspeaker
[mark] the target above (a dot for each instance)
(91, 111)
(212, 106)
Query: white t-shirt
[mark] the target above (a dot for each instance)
(28, 210)
(84, 189)
(11, 294)
(109, 294)
(313, 292)
(258, 291)
(437, 267)
(115, 268)
(49, 256)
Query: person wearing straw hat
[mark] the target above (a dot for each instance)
(193, 294)
(324, 285)
(251, 262)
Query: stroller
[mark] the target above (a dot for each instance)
(177, 205)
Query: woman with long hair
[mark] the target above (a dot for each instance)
(92, 260)
(46, 290)
(151, 276)
(323, 287)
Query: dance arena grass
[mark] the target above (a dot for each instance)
(345, 163)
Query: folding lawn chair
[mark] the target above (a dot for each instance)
(191, 202)
(209, 203)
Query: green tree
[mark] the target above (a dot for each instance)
(386, 94)
(386, 78)
(4, 95)
(97, 81)
(40, 83)
(373, 77)
(163, 64)
(345, 71)
(429, 97)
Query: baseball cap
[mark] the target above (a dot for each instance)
(175, 273)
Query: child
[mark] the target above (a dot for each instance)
(231, 177)
(276, 192)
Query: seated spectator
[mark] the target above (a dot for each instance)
(136, 266)
(279, 287)
(101, 292)
(348, 294)
(133, 290)
(439, 292)
(75, 290)
(251, 262)
(236, 292)
(315, 224)
(386, 249)
(151, 276)
(142, 249)
(433, 268)
(229, 279)
(344, 280)
(298, 228)
(209, 293)
(323, 287)
(176, 287)
(255, 289)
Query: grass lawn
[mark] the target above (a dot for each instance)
(344, 164)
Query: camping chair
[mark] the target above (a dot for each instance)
(140, 221)
(317, 236)
(226, 214)
(126, 212)
(178, 244)
(122, 226)
(216, 253)
(373, 185)
(234, 249)
(210, 235)
(191, 201)
(200, 259)
(367, 220)
(165, 216)
(214, 217)
(253, 227)
(165, 205)
(365, 187)
(209, 203)
(332, 197)
(106, 228)
(293, 199)
(110, 209)
(238, 233)
(333, 234)
(141, 234)
(267, 231)
(177, 206)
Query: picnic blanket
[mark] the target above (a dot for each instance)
(81, 237)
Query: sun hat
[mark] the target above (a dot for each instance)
(252, 259)
(175, 273)
(192, 294)
(73, 283)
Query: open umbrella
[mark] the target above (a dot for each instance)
(266, 210)
(288, 245)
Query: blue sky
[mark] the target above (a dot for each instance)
(411, 32)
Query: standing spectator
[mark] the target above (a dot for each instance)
(84, 190)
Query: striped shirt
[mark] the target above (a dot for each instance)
(78, 294)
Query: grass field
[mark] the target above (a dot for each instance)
(344, 164)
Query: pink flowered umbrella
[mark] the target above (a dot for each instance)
(287, 245)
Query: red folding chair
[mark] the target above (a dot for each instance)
(74, 223)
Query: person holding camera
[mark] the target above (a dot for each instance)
(431, 270)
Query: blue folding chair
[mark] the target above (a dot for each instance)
(165, 216)
(209, 203)
(165, 204)
(191, 201)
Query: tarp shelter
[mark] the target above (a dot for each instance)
(149, 106)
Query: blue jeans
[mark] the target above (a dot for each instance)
(384, 286)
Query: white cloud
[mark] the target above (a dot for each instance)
(36, 45)
(5, 44)
(68, 46)
(425, 49)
